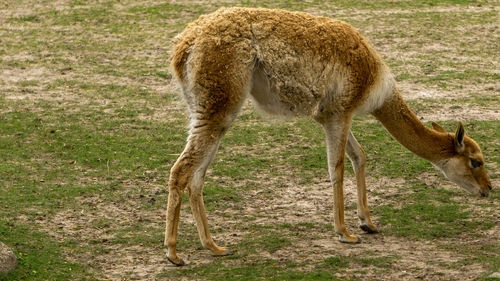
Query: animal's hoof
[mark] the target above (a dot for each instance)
(368, 229)
(228, 252)
(352, 239)
(180, 262)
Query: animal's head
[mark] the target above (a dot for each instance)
(465, 166)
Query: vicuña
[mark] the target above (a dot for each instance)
(296, 64)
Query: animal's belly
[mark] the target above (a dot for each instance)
(286, 96)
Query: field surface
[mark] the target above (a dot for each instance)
(90, 125)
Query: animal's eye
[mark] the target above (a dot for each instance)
(475, 163)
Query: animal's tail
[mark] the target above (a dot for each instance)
(180, 55)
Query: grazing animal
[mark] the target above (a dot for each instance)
(296, 64)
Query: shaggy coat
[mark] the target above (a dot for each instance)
(303, 64)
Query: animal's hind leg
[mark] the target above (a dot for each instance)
(196, 196)
(211, 114)
(189, 171)
(215, 81)
(181, 175)
(358, 159)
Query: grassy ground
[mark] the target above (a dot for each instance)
(90, 126)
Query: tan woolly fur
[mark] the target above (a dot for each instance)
(296, 64)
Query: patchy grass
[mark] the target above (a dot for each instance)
(425, 217)
(39, 256)
(89, 128)
(268, 269)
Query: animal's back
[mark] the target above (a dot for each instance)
(301, 64)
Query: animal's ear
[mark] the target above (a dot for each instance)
(438, 127)
(459, 138)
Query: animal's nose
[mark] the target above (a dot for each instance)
(484, 193)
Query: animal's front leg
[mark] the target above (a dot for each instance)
(337, 131)
(358, 159)
(338, 201)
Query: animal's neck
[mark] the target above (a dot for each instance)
(404, 125)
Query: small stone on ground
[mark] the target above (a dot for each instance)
(8, 260)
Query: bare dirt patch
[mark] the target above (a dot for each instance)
(101, 222)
